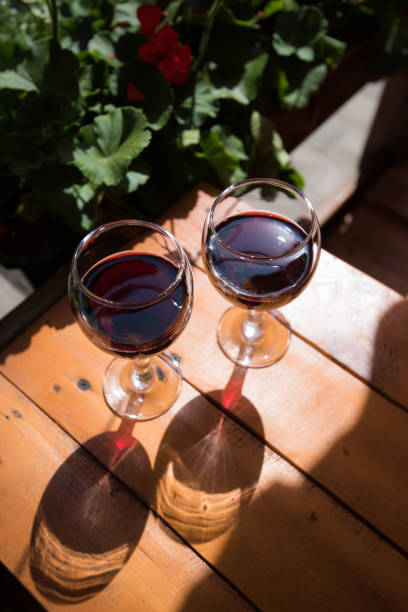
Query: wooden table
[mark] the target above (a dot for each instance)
(283, 488)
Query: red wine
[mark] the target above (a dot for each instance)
(255, 281)
(130, 281)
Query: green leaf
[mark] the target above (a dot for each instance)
(397, 37)
(292, 176)
(91, 79)
(298, 29)
(61, 189)
(247, 88)
(306, 54)
(299, 97)
(76, 204)
(101, 46)
(111, 144)
(138, 174)
(273, 7)
(190, 137)
(281, 46)
(49, 69)
(206, 99)
(291, 5)
(282, 83)
(125, 12)
(233, 145)
(135, 179)
(10, 79)
(227, 14)
(271, 155)
(9, 51)
(280, 152)
(172, 10)
(204, 103)
(109, 132)
(224, 151)
(37, 60)
(332, 50)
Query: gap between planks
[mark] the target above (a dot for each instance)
(325, 507)
(50, 428)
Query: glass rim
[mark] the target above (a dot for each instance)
(272, 183)
(137, 223)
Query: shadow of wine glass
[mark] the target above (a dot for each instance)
(88, 523)
(288, 546)
(202, 484)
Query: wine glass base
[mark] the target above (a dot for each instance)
(125, 401)
(265, 351)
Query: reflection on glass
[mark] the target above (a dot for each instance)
(131, 291)
(260, 248)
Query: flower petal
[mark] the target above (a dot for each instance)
(149, 16)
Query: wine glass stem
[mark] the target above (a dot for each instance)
(253, 327)
(142, 374)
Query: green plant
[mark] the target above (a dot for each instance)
(108, 103)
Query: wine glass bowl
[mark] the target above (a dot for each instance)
(260, 248)
(131, 291)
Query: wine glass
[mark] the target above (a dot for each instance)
(260, 248)
(131, 290)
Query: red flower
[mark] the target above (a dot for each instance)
(133, 94)
(175, 65)
(165, 39)
(161, 43)
(149, 16)
(149, 52)
(163, 47)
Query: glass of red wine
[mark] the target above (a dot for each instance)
(260, 248)
(131, 291)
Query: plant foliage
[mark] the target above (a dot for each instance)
(132, 104)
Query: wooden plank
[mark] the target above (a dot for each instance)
(246, 510)
(375, 243)
(359, 322)
(390, 192)
(73, 534)
(329, 159)
(367, 350)
(33, 306)
(356, 142)
(356, 255)
(14, 288)
(350, 439)
(374, 234)
(386, 144)
(348, 315)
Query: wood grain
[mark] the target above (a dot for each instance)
(390, 192)
(74, 535)
(330, 158)
(317, 414)
(357, 321)
(374, 234)
(251, 514)
(345, 313)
